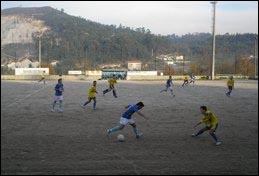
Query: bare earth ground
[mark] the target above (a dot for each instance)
(35, 140)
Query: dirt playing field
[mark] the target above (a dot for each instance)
(35, 140)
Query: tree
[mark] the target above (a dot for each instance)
(6, 71)
(52, 70)
(194, 68)
(168, 70)
(245, 66)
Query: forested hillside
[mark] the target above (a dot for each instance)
(79, 43)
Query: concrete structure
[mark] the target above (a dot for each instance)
(75, 72)
(133, 78)
(31, 71)
(134, 65)
(93, 73)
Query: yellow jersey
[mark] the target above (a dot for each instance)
(185, 78)
(209, 119)
(92, 91)
(230, 82)
(112, 81)
(43, 75)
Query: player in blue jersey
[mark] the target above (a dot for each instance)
(169, 84)
(59, 88)
(127, 118)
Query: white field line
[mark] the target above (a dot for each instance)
(27, 96)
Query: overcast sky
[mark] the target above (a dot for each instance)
(161, 17)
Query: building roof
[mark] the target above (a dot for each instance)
(29, 57)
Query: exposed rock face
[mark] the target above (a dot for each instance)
(17, 29)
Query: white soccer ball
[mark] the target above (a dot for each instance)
(120, 138)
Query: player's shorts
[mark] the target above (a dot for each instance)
(111, 86)
(125, 121)
(230, 87)
(58, 98)
(214, 127)
(92, 98)
(169, 87)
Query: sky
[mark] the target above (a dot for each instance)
(161, 17)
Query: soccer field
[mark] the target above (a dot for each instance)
(35, 140)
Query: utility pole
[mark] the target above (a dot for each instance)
(214, 38)
(154, 56)
(15, 60)
(39, 52)
(183, 64)
(235, 63)
(255, 56)
(155, 62)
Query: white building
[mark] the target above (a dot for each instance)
(111, 66)
(23, 63)
(134, 65)
(179, 58)
(54, 63)
(170, 63)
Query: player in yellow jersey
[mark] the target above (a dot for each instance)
(185, 82)
(91, 95)
(42, 77)
(211, 122)
(112, 81)
(230, 85)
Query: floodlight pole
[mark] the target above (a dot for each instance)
(214, 38)
(255, 57)
(39, 52)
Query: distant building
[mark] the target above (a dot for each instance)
(11, 65)
(54, 63)
(179, 58)
(163, 57)
(170, 63)
(25, 62)
(134, 65)
(111, 66)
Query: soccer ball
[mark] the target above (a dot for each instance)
(120, 138)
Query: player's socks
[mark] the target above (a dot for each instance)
(214, 137)
(60, 106)
(86, 103)
(105, 91)
(114, 93)
(135, 131)
(53, 106)
(200, 132)
(116, 128)
(94, 104)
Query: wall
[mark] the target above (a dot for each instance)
(31, 71)
(49, 77)
(91, 78)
